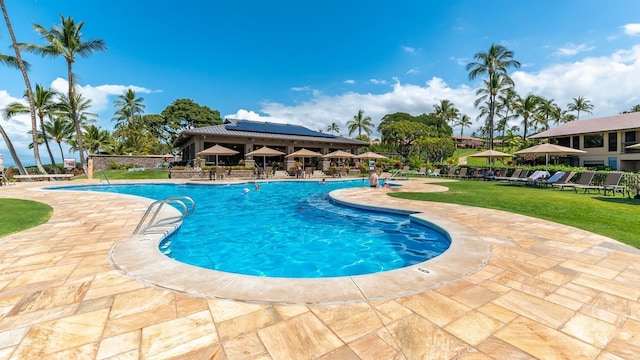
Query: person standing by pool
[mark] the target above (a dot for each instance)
(373, 179)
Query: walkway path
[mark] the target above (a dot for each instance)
(547, 291)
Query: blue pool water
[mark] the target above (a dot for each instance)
(288, 229)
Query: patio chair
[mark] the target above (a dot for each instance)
(585, 180)
(435, 172)
(422, 171)
(6, 176)
(611, 182)
(219, 174)
(268, 172)
(405, 170)
(462, 174)
(308, 172)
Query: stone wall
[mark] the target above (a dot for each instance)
(101, 162)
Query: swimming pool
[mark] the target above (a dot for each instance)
(288, 229)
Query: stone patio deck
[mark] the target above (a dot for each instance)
(543, 290)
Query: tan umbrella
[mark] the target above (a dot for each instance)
(303, 153)
(217, 150)
(636, 146)
(370, 155)
(549, 149)
(338, 154)
(491, 154)
(264, 152)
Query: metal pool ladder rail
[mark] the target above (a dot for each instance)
(150, 223)
(103, 175)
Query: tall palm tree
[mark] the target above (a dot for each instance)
(546, 110)
(526, 107)
(23, 68)
(46, 106)
(496, 86)
(83, 116)
(580, 104)
(66, 40)
(496, 61)
(60, 130)
(360, 123)
(447, 111)
(96, 139)
(333, 128)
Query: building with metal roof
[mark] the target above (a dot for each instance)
(605, 139)
(245, 136)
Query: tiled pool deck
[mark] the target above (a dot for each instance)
(523, 288)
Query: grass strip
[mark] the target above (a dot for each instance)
(17, 215)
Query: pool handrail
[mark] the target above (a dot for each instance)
(168, 223)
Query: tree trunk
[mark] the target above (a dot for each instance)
(74, 117)
(32, 106)
(14, 155)
(46, 143)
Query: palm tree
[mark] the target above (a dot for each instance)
(360, 123)
(82, 115)
(333, 128)
(96, 139)
(526, 108)
(66, 40)
(464, 121)
(446, 110)
(546, 110)
(494, 62)
(497, 85)
(128, 106)
(23, 68)
(45, 107)
(580, 104)
(59, 129)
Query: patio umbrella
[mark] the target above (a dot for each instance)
(370, 155)
(549, 149)
(491, 154)
(217, 150)
(303, 153)
(264, 152)
(636, 146)
(338, 154)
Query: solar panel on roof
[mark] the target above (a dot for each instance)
(275, 128)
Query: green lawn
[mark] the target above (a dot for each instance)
(17, 215)
(129, 175)
(617, 218)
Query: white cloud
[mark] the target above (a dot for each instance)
(378, 81)
(350, 82)
(572, 49)
(631, 29)
(408, 49)
(413, 71)
(300, 88)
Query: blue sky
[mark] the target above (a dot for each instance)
(314, 63)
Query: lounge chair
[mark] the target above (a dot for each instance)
(559, 177)
(537, 175)
(516, 174)
(611, 182)
(585, 180)
(451, 172)
(462, 174)
(406, 170)
(435, 172)
(423, 171)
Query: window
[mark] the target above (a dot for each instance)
(576, 142)
(593, 141)
(564, 141)
(613, 141)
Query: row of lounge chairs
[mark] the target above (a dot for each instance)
(560, 180)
